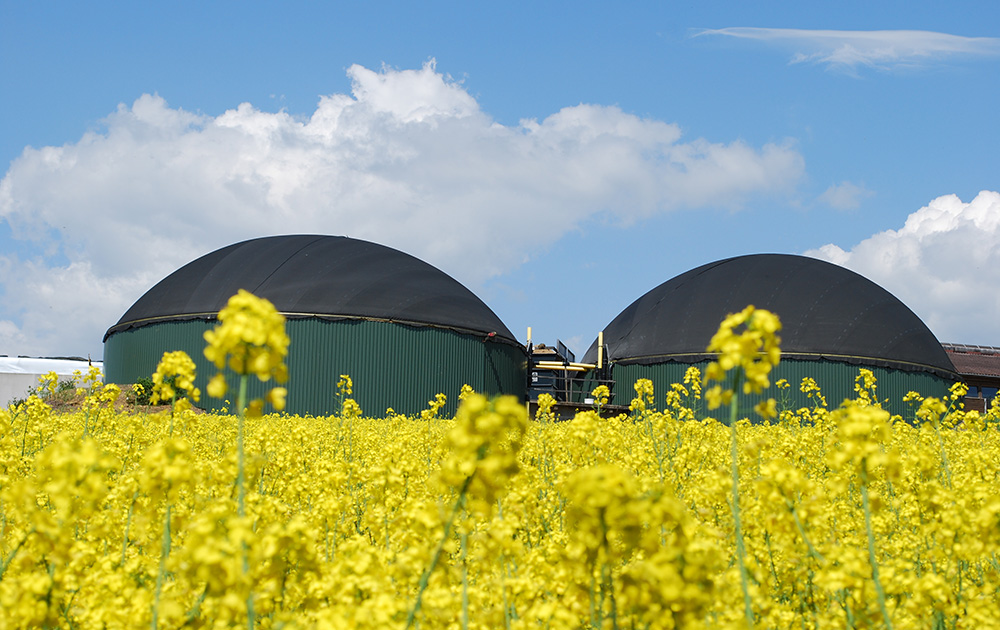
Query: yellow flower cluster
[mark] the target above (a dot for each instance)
(251, 335)
(345, 386)
(434, 406)
(465, 392)
(747, 340)
(864, 388)
(644, 398)
(601, 395)
(250, 339)
(587, 523)
(483, 444)
(692, 378)
(175, 373)
(47, 383)
(811, 389)
(351, 410)
(546, 402)
(647, 542)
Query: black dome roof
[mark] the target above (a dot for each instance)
(317, 276)
(827, 312)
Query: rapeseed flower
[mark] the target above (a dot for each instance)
(755, 348)
(174, 375)
(483, 445)
(433, 407)
(250, 339)
(545, 404)
(600, 395)
(644, 399)
(587, 523)
(746, 340)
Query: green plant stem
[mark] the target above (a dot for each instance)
(503, 590)
(24, 435)
(241, 402)
(465, 582)
(593, 609)
(426, 577)
(196, 609)
(944, 453)
(802, 532)
(871, 546)
(657, 445)
(13, 552)
(740, 545)
(848, 613)
(161, 574)
(608, 585)
(173, 405)
(128, 526)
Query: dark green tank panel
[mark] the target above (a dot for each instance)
(392, 365)
(134, 354)
(836, 382)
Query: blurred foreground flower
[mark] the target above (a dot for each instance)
(251, 339)
(174, 376)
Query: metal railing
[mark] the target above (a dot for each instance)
(567, 382)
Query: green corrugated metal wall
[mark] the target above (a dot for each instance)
(392, 365)
(836, 381)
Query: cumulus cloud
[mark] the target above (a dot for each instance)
(408, 159)
(850, 50)
(845, 196)
(944, 263)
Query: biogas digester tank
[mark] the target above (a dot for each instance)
(834, 323)
(401, 328)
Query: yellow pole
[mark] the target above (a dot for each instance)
(529, 335)
(600, 350)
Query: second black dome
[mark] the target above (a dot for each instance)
(827, 312)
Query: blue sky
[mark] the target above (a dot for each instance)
(560, 159)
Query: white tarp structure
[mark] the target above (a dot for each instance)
(19, 374)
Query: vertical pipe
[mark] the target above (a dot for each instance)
(527, 384)
(600, 350)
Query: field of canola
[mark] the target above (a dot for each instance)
(846, 517)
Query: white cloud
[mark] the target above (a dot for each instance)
(944, 263)
(61, 305)
(845, 196)
(849, 50)
(407, 160)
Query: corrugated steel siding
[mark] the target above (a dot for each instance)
(836, 381)
(392, 365)
(399, 366)
(135, 353)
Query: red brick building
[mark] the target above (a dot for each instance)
(980, 367)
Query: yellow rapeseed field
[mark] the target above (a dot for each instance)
(804, 518)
